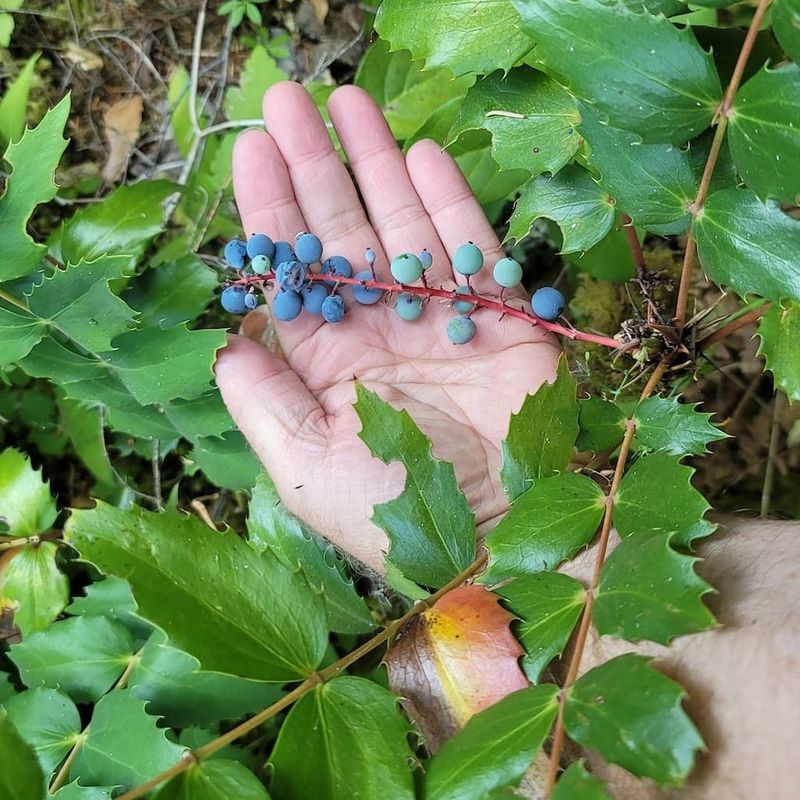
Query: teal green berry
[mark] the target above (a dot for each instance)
(260, 264)
(468, 259)
(406, 268)
(507, 272)
(462, 306)
(409, 307)
(461, 330)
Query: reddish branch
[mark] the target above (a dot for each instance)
(733, 326)
(482, 302)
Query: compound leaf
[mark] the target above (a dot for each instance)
(26, 505)
(779, 331)
(25, 781)
(124, 746)
(764, 133)
(82, 656)
(455, 35)
(548, 605)
(495, 748)
(749, 246)
(344, 734)
(664, 423)
(577, 784)
(632, 715)
(430, 525)
(541, 435)
(623, 61)
(531, 119)
(33, 159)
(546, 525)
(786, 26)
(573, 200)
(215, 779)
(200, 602)
(649, 591)
(656, 495)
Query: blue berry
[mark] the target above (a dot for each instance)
(337, 265)
(294, 276)
(468, 259)
(333, 308)
(281, 270)
(234, 253)
(286, 305)
(260, 264)
(548, 303)
(308, 248)
(406, 268)
(233, 299)
(251, 301)
(462, 306)
(461, 330)
(259, 244)
(507, 272)
(283, 252)
(366, 295)
(369, 256)
(426, 259)
(314, 295)
(409, 307)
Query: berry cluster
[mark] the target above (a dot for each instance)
(299, 287)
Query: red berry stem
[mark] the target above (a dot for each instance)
(483, 302)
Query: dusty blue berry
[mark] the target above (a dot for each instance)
(295, 276)
(286, 305)
(308, 248)
(366, 295)
(234, 253)
(337, 265)
(409, 307)
(426, 259)
(259, 244)
(507, 272)
(369, 256)
(461, 330)
(548, 303)
(233, 299)
(260, 264)
(251, 300)
(333, 308)
(314, 295)
(462, 306)
(406, 268)
(468, 259)
(283, 252)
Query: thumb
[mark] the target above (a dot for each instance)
(269, 403)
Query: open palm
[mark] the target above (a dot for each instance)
(298, 414)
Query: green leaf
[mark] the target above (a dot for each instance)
(26, 505)
(82, 656)
(666, 424)
(48, 721)
(271, 527)
(531, 119)
(172, 293)
(78, 302)
(26, 780)
(124, 746)
(455, 35)
(14, 105)
(488, 182)
(160, 365)
(33, 159)
(623, 62)
(179, 691)
(541, 435)
(122, 225)
(344, 737)
(227, 460)
(764, 133)
(217, 779)
(546, 525)
(610, 259)
(749, 246)
(259, 73)
(34, 586)
(632, 715)
(111, 597)
(76, 791)
(200, 602)
(6, 687)
(84, 426)
(60, 363)
(548, 605)
(786, 26)
(577, 784)
(648, 591)
(575, 202)
(602, 425)
(495, 748)
(779, 331)
(652, 183)
(656, 495)
(205, 416)
(20, 332)
(430, 525)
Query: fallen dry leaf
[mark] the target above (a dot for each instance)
(454, 660)
(81, 57)
(320, 9)
(122, 122)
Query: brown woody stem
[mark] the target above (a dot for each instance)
(734, 325)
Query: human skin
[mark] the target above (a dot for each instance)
(743, 679)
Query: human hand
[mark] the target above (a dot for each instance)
(297, 414)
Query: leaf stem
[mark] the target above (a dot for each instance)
(446, 294)
(192, 757)
(735, 324)
(602, 549)
(721, 118)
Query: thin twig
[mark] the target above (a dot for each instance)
(155, 463)
(769, 473)
(737, 324)
(191, 757)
